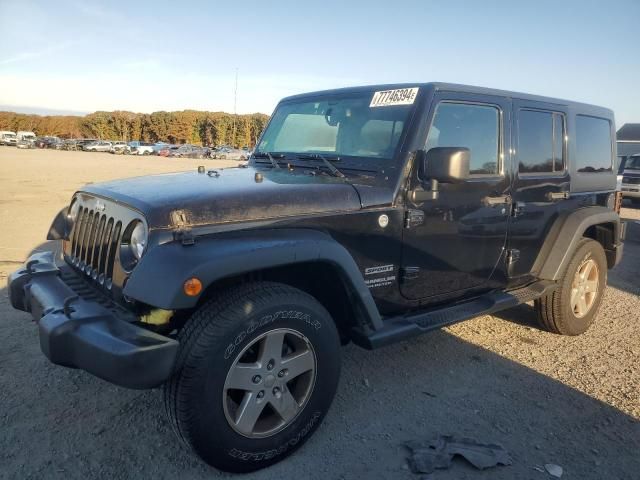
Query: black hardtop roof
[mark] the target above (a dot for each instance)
(454, 87)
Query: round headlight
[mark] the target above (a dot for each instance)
(72, 214)
(138, 240)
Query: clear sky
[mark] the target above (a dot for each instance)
(85, 55)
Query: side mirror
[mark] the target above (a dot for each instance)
(447, 164)
(440, 164)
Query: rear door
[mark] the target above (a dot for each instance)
(541, 185)
(454, 252)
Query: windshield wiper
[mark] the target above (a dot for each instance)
(268, 155)
(317, 156)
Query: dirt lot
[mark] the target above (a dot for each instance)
(548, 399)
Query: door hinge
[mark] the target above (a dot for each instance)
(517, 209)
(409, 273)
(413, 218)
(513, 255)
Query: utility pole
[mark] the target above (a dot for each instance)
(235, 111)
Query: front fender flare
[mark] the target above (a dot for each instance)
(159, 277)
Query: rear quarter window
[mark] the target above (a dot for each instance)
(593, 145)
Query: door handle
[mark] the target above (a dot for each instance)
(493, 201)
(553, 196)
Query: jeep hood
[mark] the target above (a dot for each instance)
(229, 195)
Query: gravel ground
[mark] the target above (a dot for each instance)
(546, 398)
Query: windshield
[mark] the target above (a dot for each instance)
(632, 163)
(339, 125)
(9, 135)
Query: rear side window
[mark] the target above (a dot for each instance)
(540, 142)
(593, 144)
(476, 127)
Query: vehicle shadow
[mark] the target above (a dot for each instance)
(64, 423)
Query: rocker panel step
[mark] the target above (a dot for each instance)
(400, 328)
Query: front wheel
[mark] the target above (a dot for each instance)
(571, 309)
(255, 376)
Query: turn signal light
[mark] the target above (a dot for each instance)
(192, 287)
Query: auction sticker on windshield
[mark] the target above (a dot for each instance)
(401, 96)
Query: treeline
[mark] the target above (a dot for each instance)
(188, 126)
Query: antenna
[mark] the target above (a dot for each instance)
(235, 111)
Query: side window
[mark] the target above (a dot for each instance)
(593, 144)
(540, 142)
(476, 127)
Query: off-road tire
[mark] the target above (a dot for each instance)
(210, 342)
(555, 313)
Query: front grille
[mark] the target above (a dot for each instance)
(631, 180)
(94, 244)
(90, 293)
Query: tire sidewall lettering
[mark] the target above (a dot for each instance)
(265, 320)
(274, 452)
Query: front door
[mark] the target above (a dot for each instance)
(458, 248)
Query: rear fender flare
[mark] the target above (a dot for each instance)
(565, 234)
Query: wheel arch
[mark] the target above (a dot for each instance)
(321, 279)
(598, 223)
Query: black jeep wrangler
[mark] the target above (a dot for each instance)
(368, 214)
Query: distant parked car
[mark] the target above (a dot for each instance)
(226, 153)
(119, 148)
(25, 144)
(630, 182)
(167, 150)
(159, 146)
(189, 151)
(82, 142)
(99, 146)
(26, 135)
(49, 142)
(70, 144)
(8, 138)
(140, 148)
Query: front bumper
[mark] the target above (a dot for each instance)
(84, 334)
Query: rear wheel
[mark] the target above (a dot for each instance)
(571, 309)
(256, 373)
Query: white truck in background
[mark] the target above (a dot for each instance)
(28, 136)
(8, 138)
